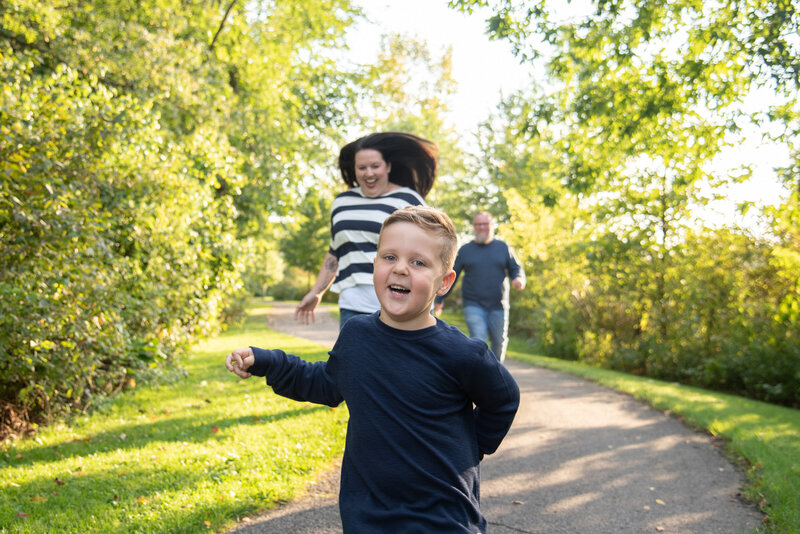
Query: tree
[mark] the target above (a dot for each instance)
(642, 98)
(145, 146)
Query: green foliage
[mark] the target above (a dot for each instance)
(197, 455)
(144, 148)
(114, 255)
(308, 238)
(618, 153)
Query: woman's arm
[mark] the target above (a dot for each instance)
(327, 274)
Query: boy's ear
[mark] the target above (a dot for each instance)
(447, 283)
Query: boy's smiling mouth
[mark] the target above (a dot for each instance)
(399, 290)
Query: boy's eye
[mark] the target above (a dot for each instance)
(418, 263)
(388, 257)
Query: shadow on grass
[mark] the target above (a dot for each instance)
(138, 435)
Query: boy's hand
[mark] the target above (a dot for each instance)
(240, 360)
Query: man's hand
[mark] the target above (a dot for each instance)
(239, 361)
(518, 283)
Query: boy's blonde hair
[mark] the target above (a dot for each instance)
(433, 221)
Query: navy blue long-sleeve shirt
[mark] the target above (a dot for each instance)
(425, 406)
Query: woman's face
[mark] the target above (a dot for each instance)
(372, 173)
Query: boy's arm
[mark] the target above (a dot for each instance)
(295, 378)
(288, 375)
(496, 397)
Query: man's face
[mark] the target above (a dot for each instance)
(484, 228)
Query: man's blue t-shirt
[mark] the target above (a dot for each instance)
(484, 271)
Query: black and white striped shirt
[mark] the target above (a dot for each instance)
(355, 226)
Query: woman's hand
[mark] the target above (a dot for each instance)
(305, 310)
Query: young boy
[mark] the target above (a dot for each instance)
(426, 403)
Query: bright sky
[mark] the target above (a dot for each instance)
(486, 69)
(483, 68)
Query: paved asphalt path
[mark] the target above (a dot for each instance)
(579, 459)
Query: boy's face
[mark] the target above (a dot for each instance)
(408, 275)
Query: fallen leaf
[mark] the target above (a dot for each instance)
(517, 502)
(660, 529)
(141, 500)
(121, 474)
(257, 419)
(207, 523)
(38, 498)
(13, 484)
(215, 429)
(22, 514)
(662, 503)
(60, 482)
(646, 507)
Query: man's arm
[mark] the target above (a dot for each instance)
(515, 270)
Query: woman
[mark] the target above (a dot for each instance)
(385, 171)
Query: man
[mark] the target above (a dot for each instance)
(487, 264)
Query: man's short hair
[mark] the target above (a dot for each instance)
(433, 221)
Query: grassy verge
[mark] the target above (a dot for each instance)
(186, 458)
(765, 438)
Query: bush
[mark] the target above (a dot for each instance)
(115, 253)
(295, 284)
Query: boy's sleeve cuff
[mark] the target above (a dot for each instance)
(263, 358)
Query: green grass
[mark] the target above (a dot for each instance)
(187, 457)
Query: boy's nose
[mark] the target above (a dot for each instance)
(400, 267)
